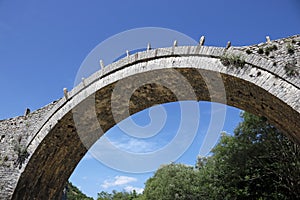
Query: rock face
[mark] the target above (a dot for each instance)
(39, 151)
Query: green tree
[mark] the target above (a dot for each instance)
(73, 193)
(173, 181)
(119, 195)
(258, 162)
(104, 196)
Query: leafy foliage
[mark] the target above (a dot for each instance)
(260, 51)
(174, 181)
(269, 48)
(119, 195)
(258, 162)
(22, 155)
(73, 193)
(232, 60)
(291, 69)
(290, 48)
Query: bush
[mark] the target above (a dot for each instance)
(233, 60)
(291, 70)
(290, 48)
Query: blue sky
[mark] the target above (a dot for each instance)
(43, 43)
(91, 175)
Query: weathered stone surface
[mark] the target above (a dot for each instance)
(58, 135)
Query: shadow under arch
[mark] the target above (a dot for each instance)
(57, 148)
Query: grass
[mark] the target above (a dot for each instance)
(22, 155)
(260, 51)
(290, 48)
(291, 70)
(270, 48)
(232, 60)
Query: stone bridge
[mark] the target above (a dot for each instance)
(39, 151)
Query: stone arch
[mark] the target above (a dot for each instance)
(259, 86)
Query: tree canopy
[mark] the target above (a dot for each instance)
(174, 181)
(119, 195)
(257, 162)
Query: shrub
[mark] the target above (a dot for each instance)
(233, 60)
(291, 70)
(290, 48)
(270, 48)
(260, 51)
(22, 155)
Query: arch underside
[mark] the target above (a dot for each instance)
(60, 151)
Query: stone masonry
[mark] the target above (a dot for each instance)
(39, 151)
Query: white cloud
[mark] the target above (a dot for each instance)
(117, 181)
(130, 188)
(136, 145)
